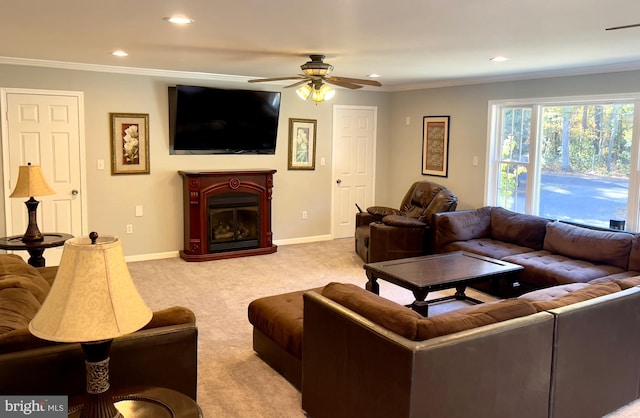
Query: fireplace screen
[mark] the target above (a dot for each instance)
(234, 221)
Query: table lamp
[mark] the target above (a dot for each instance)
(31, 183)
(93, 300)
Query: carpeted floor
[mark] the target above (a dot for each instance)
(232, 380)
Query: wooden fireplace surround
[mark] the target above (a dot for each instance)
(198, 186)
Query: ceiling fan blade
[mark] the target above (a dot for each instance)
(342, 83)
(297, 84)
(356, 80)
(635, 25)
(262, 80)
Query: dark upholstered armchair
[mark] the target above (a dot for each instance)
(386, 234)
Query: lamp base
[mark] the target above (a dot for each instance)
(32, 234)
(99, 403)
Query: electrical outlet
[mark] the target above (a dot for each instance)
(304, 214)
(129, 229)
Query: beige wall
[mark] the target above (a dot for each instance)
(468, 107)
(111, 200)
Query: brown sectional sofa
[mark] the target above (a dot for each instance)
(564, 351)
(551, 252)
(163, 353)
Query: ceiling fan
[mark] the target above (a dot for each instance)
(635, 25)
(316, 73)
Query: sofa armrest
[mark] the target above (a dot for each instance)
(387, 242)
(164, 356)
(365, 218)
(353, 367)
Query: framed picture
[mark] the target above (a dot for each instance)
(302, 144)
(129, 143)
(435, 145)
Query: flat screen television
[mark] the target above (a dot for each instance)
(207, 120)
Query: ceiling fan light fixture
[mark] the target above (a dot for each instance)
(316, 67)
(323, 93)
(304, 91)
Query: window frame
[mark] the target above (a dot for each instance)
(494, 146)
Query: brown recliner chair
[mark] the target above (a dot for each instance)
(384, 233)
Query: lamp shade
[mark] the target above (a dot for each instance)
(31, 182)
(93, 297)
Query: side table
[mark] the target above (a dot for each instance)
(145, 402)
(35, 249)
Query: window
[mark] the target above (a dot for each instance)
(573, 159)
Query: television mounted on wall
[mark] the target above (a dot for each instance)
(207, 120)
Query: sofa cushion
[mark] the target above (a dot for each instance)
(487, 247)
(472, 317)
(580, 295)
(628, 282)
(553, 292)
(520, 229)
(544, 268)
(17, 307)
(605, 247)
(280, 318)
(384, 312)
(403, 221)
(37, 285)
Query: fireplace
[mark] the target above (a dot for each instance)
(233, 221)
(227, 214)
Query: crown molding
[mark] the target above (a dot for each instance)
(591, 70)
(150, 72)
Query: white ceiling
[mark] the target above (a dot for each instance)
(410, 43)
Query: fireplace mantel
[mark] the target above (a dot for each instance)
(201, 188)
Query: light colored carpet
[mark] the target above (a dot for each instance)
(232, 380)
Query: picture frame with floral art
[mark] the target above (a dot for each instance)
(435, 146)
(302, 144)
(129, 143)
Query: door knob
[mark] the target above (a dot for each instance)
(74, 192)
(339, 181)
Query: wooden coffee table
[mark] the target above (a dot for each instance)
(431, 273)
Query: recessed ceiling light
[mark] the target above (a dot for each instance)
(119, 53)
(179, 20)
(374, 75)
(499, 59)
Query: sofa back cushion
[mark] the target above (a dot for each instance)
(17, 307)
(572, 241)
(384, 312)
(462, 226)
(634, 254)
(472, 317)
(588, 292)
(411, 325)
(518, 228)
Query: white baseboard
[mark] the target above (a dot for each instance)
(174, 254)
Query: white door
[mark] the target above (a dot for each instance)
(44, 128)
(354, 143)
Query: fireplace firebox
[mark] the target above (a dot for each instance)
(227, 214)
